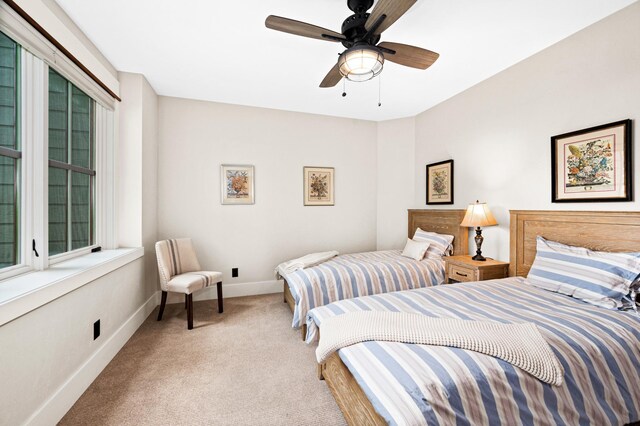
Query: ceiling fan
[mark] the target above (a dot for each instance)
(364, 57)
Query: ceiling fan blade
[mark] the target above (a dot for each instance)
(393, 9)
(292, 26)
(332, 78)
(409, 56)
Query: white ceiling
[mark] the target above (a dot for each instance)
(221, 51)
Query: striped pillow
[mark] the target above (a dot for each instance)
(439, 244)
(598, 277)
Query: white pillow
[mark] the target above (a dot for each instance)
(440, 244)
(415, 249)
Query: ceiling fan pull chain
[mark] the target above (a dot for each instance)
(379, 91)
(344, 87)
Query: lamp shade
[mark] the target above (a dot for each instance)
(478, 214)
(361, 63)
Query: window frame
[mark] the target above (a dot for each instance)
(32, 132)
(16, 154)
(71, 168)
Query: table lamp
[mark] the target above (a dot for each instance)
(477, 215)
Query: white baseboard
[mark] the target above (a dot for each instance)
(232, 290)
(251, 289)
(63, 399)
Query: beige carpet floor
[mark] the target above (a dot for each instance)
(246, 366)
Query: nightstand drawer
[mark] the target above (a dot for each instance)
(458, 273)
(465, 269)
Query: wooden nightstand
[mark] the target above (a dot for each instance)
(464, 269)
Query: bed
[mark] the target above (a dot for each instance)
(360, 274)
(386, 383)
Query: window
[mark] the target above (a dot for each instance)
(71, 166)
(57, 159)
(10, 153)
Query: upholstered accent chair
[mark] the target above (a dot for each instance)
(180, 272)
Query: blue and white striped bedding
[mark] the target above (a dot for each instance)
(597, 277)
(359, 274)
(417, 384)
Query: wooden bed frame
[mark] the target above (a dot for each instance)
(603, 231)
(440, 221)
(607, 231)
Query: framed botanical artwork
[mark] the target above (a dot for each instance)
(440, 182)
(592, 165)
(318, 186)
(237, 184)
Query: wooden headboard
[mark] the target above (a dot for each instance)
(442, 222)
(604, 231)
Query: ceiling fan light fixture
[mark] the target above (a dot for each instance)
(361, 63)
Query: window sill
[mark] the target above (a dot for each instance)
(24, 293)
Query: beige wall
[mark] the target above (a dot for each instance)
(137, 170)
(52, 347)
(150, 183)
(498, 132)
(396, 181)
(197, 137)
(129, 161)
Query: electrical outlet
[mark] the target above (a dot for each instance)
(96, 330)
(234, 272)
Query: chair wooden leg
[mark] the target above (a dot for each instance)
(186, 301)
(190, 311)
(162, 303)
(220, 308)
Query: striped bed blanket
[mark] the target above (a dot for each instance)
(411, 384)
(359, 274)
